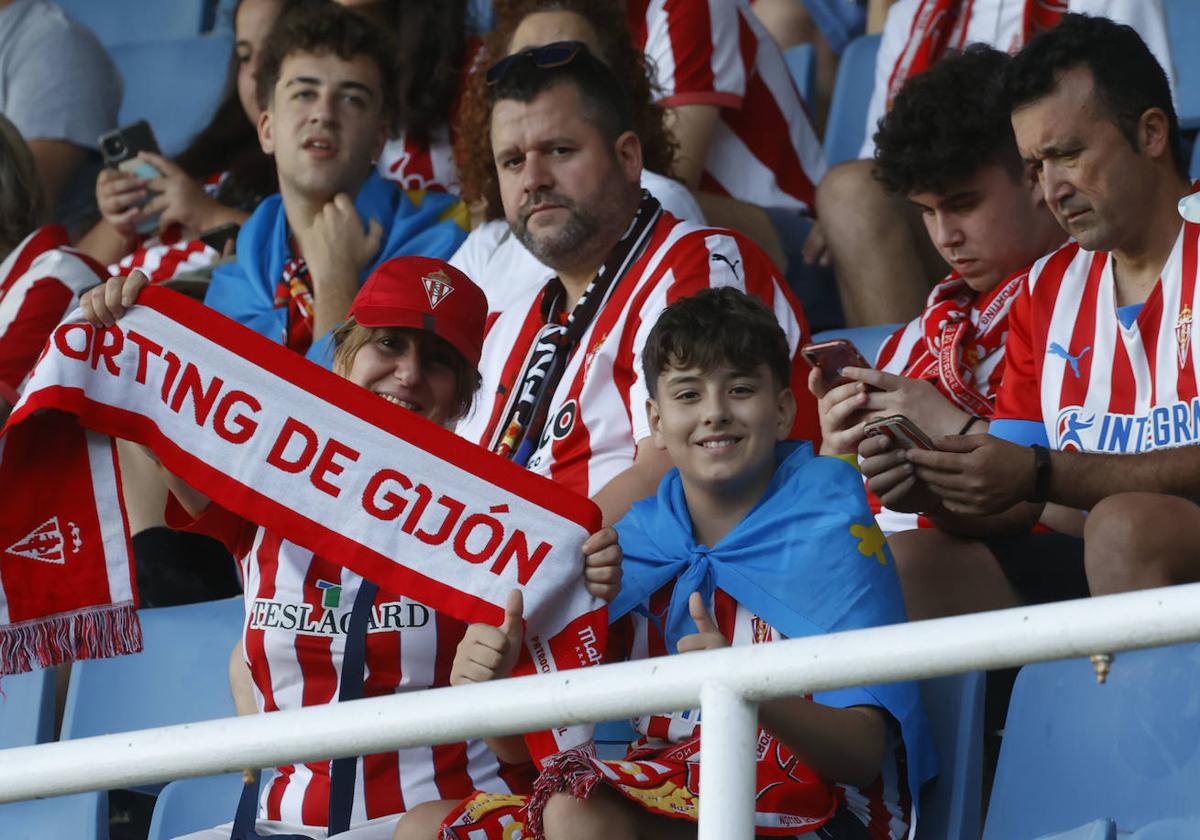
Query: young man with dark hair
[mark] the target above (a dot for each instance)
(1098, 405)
(947, 146)
(327, 88)
(749, 540)
(562, 386)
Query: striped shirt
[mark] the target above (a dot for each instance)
(297, 610)
(715, 52)
(1078, 375)
(1000, 24)
(597, 413)
(416, 166)
(882, 806)
(40, 282)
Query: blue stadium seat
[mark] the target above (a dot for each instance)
(82, 816)
(868, 340)
(195, 804)
(801, 62)
(1183, 33)
(1075, 751)
(950, 804)
(129, 21)
(851, 95)
(174, 85)
(1194, 166)
(27, 709)
(181, 676)
(613, 738)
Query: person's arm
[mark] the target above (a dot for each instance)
(844, 745)
(55, 161)
(637, 482)
(336, 248)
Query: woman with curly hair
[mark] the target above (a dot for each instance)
(490, 256)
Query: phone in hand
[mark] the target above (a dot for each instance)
(831, 356)
(903, 432)
(120, 148)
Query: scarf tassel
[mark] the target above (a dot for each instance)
(93, 633)
(571, 771)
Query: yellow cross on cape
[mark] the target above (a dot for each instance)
(870, 541)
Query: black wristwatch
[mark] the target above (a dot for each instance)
(1041, 473)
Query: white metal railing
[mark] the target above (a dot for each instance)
(726, 684)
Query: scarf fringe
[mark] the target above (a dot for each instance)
(571, 771)
(91, 633)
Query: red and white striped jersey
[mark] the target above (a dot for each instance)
(415, 166)
(597, 413)
(1096, 385)
(40, 282)
(884, 806)
(1000, 24)
(908, 352)
(160, 259)
(715, 52)
(298, 608)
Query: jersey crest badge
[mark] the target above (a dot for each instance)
(1183, 334)
(437, 287)
(762, 630)
(45, 543)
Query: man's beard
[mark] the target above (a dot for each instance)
(563, 245)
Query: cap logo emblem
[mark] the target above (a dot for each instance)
(437, 287)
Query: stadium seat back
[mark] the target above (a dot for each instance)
(1074, 750)
(195, 804)
(130, 21)
(27, 709)
(801, 62)
(182, 675)
(1183, 33)
(847, 123)
(174, 85)
(950, 804)
(81, 816)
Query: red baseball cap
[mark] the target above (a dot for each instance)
(425, 294)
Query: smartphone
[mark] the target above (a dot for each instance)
(903, 432)
(219, 236)
(120, 148)
(831, 356)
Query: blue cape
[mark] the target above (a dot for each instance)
(414, 222)
(808, 559)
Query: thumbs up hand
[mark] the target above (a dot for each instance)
(487, 652)
(709, 636)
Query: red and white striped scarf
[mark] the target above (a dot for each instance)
(941, 25)
(286, 444)
(954, 343)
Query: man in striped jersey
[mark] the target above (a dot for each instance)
(563, 392)
(947, 147)
(1101, 380)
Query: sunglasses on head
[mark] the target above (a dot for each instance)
(544, 57)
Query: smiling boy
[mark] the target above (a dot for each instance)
(749, 539)
(327, 89)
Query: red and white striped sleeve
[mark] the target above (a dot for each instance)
(696, 48)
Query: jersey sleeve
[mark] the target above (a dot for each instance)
(895, 36)
(235, 533)
(1019, 394)
(695, 47)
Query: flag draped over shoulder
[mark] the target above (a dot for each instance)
(288, 445)
(807, 559)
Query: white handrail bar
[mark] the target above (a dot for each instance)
(883, 654)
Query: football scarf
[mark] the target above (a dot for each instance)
(808, 559)
(941, 25)
(952, 345)
(286, 444)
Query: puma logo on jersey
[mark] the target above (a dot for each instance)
(1056, 349)
(732, 265)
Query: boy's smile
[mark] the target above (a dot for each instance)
(720, 428)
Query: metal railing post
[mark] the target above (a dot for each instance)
(729, 730)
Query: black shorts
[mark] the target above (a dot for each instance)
(1042, 567)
